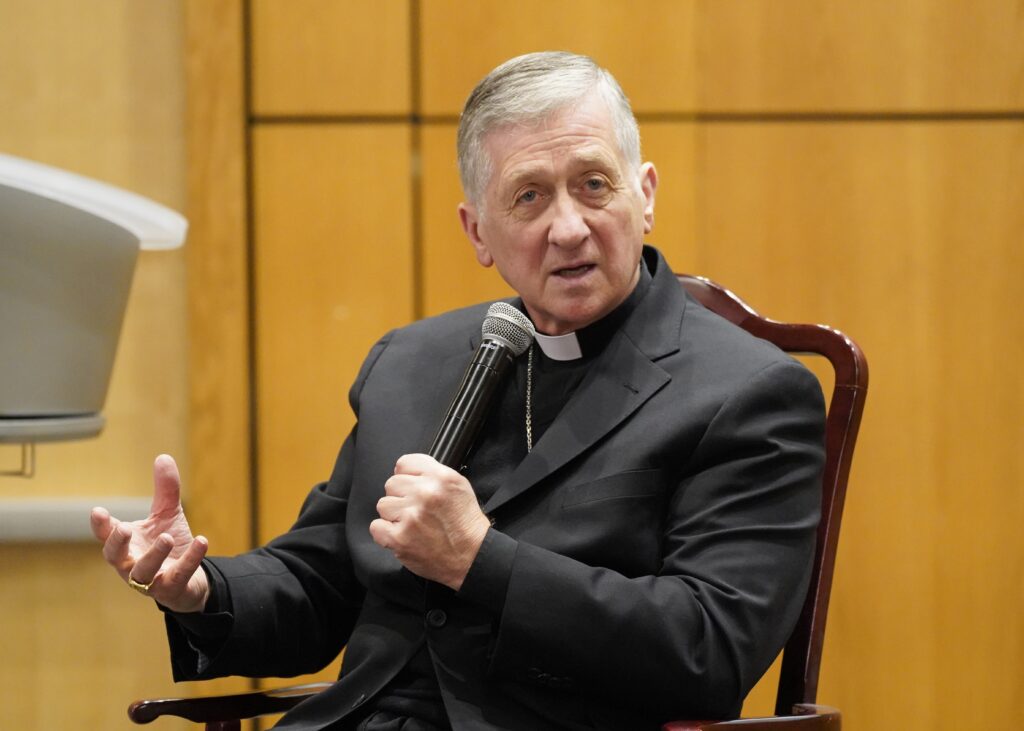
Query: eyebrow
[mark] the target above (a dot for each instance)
(522, 174)
(585, 159)
(594, 157)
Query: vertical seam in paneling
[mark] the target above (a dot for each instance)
(250, 232)
(700, 175)
(416, 161)
(250, 247)
(414, 58)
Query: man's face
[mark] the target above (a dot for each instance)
(563, 216)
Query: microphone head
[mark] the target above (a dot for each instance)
(507, 324)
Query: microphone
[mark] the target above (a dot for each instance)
(507, 333)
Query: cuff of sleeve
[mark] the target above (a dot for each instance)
(196, 637)
(214, 622)
(486, 583)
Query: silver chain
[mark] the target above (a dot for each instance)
(529, 400)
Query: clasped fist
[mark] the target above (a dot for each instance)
(159, 551)
(430, 520)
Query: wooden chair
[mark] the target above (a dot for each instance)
(798, 682)
(801, 658)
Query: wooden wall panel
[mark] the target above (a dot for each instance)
(220, 479)
(97, 88)
(648, 46)
(328, 57)
(907, 237)
(333, 267)
(671, 146)
(451, 275)
(874, 56)
(79, 646)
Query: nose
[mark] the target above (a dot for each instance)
(568, 228)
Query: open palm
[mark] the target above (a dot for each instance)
(158, 552)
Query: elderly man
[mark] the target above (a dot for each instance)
(630, 538)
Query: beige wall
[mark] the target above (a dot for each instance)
(860, 164)
(97, 88)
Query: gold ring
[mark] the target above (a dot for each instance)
(141, 588)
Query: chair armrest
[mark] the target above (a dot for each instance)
(806, 717)
(209, 709)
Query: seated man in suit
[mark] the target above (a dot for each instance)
(629, 541)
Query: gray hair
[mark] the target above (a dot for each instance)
(531, 88)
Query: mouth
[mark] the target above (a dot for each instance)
(575, 272)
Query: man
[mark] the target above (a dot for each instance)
(630, 539)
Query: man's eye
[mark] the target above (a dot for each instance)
(595, 184)
(528, 197)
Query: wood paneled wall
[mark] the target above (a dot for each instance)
(860, 164)
(97, 88)
(333, 272)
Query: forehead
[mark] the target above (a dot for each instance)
(582, 133)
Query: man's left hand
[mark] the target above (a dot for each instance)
(430, 520)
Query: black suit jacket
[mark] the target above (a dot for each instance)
(648, 558)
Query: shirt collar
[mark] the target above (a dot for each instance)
(560, 347)
(590, 340)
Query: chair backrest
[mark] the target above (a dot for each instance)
(801, 659)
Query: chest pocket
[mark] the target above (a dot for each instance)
(620, 486)
(615, 521)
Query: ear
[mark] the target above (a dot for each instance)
(470, 219)
(648, 185)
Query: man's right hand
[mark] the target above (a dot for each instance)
(160, 551)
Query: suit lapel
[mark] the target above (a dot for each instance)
(622, 378)
(618, 384)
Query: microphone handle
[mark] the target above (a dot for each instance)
(471, 403)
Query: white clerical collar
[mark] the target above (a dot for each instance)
(560, 347)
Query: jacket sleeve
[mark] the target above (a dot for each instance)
(738, 541)
(286, 608)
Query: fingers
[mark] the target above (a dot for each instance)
(115, 548)
(391, 508)
(420, 481)
(166, 485)
(177, 575)
(177, 584)
(381, 532)
(400, 485)
(415, 470)
(148, 564)
(419, 464)
(101, 523)
(407, 463)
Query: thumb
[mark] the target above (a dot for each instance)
(166, 485)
